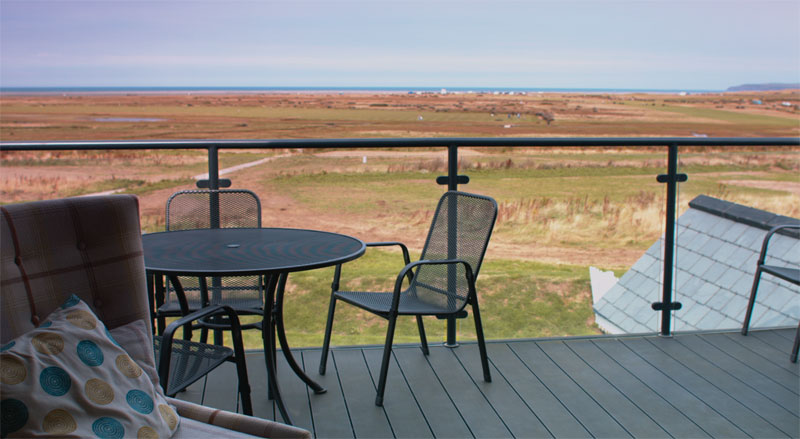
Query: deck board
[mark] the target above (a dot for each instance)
(470, 402)
(594, 417)
(690, 385)
(641, 394)
(358, 389)
(697, 381)
(517, 417)
(405, 415)
(443, 416)
(635, 421)
(558, 420)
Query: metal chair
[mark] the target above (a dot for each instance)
(204, 209)
(441, 283)
(786, 273)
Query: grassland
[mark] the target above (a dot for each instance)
(561, 210)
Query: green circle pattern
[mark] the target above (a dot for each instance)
(90, 353)
(55, 381)
(108, 428)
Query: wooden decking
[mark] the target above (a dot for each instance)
(692, 385)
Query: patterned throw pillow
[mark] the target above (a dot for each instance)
(69, 378)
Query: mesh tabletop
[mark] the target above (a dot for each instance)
(209, 252)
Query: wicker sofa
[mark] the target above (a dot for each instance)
(91, 247)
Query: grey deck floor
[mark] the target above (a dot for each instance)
(693, 385)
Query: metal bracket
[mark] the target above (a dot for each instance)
(672, 306)
(443, 179)
(665, 178)
(460, 315)
(204, 184)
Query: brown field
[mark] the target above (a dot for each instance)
(335, 115)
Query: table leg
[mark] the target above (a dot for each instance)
(278, 317)
(267, 332)
(160, 292)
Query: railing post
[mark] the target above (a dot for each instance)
(214, 223)
(671, 178)
(213, 184)
(452, 235)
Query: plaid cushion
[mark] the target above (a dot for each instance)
(90, 246)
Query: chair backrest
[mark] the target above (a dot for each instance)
(206, 209)
(211, 208)
(88, 246)
(461, 228)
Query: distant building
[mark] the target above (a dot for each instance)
(718, 244)
(756, 101)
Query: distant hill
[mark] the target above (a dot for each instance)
(763, 87)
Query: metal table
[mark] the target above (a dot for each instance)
(269, 252)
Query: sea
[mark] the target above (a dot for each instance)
(318, 89)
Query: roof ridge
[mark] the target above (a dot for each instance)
(745, 214)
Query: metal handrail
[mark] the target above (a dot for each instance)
(401, 143)
(665, 306)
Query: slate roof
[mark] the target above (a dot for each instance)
(718, 246)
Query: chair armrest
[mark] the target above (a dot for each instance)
(763, 256)
(406, 259)
(237, 422)
(166, 344)
(398, 285)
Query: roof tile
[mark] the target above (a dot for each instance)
(712, 319)
(686, 258)
(702, 265)
(705, 292)
(740, 257)
(733, 233)
(714, 272)
(752, 239)
(735, 281)
(735, 308)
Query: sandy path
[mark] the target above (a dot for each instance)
(786, 186)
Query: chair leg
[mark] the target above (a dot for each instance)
(752, 302)
(323, 360)
(422, 338)
(241, 370)
(387, 355)
(796, 345)
(487, 376)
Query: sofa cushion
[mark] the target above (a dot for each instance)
(135, 338)
(70, 378)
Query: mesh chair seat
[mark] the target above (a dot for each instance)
(410, 303)
(788, 274)
(246, 306)
(190, 362)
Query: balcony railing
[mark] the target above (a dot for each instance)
(671, 177)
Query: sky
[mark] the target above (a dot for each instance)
(632, 44)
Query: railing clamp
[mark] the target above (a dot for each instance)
(205, 184)
(665, 178)
(671, 306)
(443, 179)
